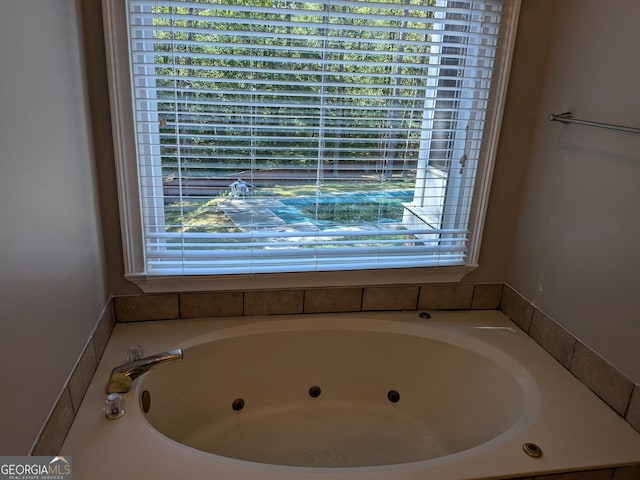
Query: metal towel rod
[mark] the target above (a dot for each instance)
(567, 117)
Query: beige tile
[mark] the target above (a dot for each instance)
(553, 338)
(82, 375)
(633, 412)
(332, 300)
(103, 329)
(390, 298)
(631, 472)
(446, 296)
(601, 377)
(56, 427)
(273, 302)
(139, 308)
(214, 304)
(510, 478)
(516, 307)
(487, 296)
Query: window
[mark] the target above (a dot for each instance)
(277, 136)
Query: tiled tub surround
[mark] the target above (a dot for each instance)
(138, 308)
(608, 440)
(540, 327)
(612, 386)
(64, 411)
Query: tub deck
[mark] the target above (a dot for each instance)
(575, 429)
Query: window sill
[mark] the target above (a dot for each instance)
(196, 283)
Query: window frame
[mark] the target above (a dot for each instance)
(130, 208)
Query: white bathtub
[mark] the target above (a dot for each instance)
(368, 395)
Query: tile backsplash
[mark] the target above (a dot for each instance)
(618, 391)
(139, 308)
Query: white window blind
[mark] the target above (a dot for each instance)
(288, 136)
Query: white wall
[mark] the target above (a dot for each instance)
(577, 246)
(51, 267)
(520, 114)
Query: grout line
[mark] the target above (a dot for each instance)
(473, 295)
(304, 300)
(626, 409)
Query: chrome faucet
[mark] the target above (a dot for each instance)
(123, 376)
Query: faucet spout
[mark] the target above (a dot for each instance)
(123, 375)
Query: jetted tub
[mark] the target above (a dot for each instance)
(463, 395)
(340, 393)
